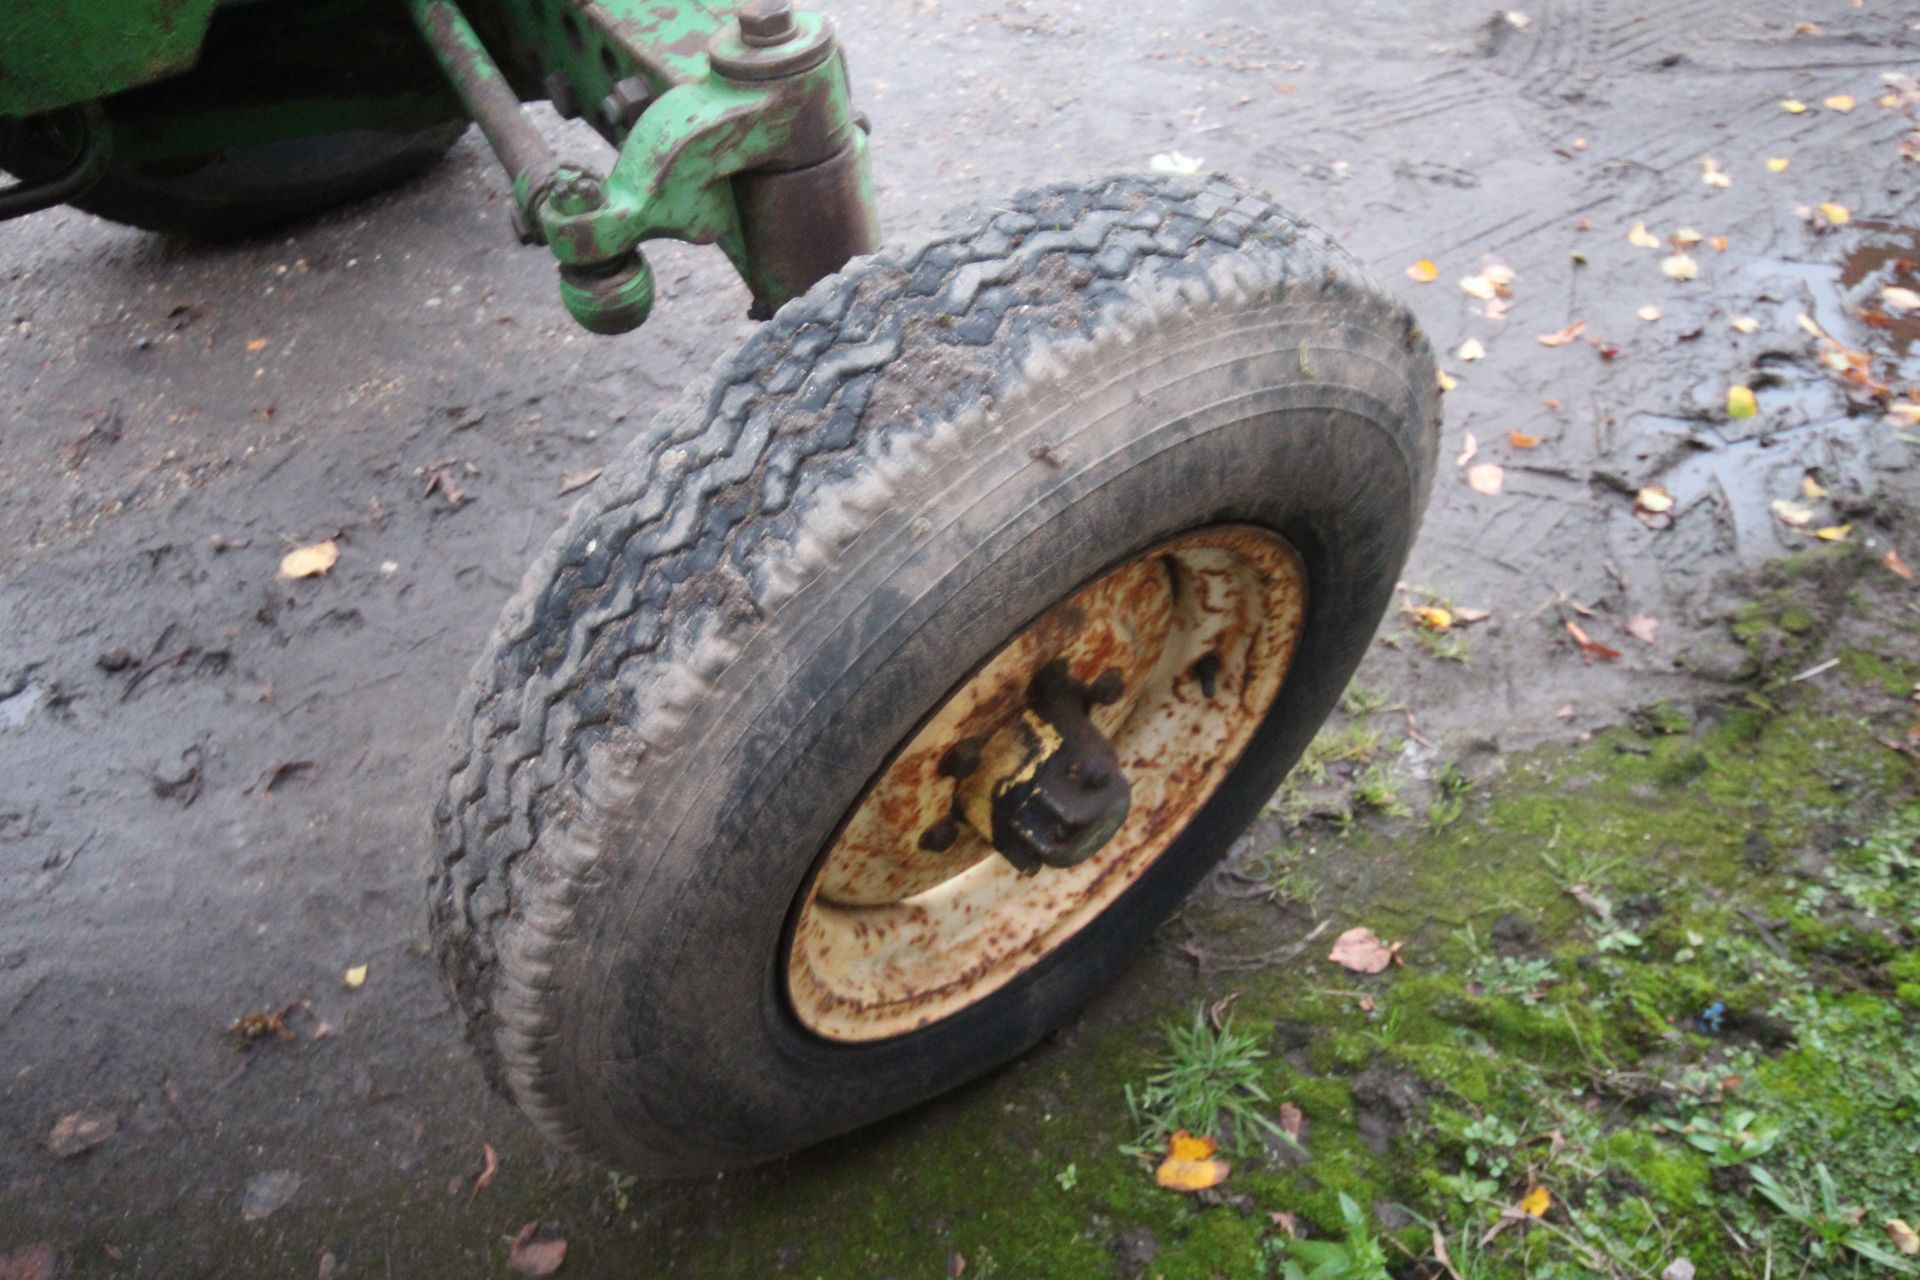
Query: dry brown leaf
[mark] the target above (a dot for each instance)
(1588, 645)
(1288, 1224)
(1719, 244)
(1464, 616)
(1189, 1165)
(1905, 1238)
(535, 1254)
(1487, 478)
(1468, 447)
(1561, 337)
(255, 345)
(1478, 286)
(1290, 1120)
(1360, 950)
(484, 1178)
(1841, 102)
(1423, 271)
(81, 1131)
(1897, 565)
(1641, 627)
(572, 480)
(1521, 441)
(1686, 238)
(34, 1262)
(309, 561)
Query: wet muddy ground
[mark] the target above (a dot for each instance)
(213, 783)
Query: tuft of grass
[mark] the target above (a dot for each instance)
(1360, 700)
(1375, 790)
(1207, 1082)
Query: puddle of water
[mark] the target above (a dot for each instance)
(1890, 255)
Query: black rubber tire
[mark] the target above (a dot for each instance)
(250, 189)
(755, 606)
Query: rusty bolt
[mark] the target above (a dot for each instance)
(766, 22)
(961, 759)
(560, 93)
(1107, 687)
(574, 192)
(620, 110)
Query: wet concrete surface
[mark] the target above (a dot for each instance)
(213, 783)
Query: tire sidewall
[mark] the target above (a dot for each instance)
(676, 1035)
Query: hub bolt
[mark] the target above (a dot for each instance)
(620, 110)
(766, 22)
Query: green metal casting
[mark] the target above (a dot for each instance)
(696, 104)
(58, 53)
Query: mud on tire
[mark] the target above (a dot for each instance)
(759, 602)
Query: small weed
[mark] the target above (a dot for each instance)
(1357, 1256)
(1450, 800)
(1068, 1178)
(620, 1189)
(1448, 646)
(1737, 1137)
(1207, 1083)
(1830, 1227)
(1359, 700)
(1355, 744)
(1375, 790)
(1512, 977)
(1286, 881)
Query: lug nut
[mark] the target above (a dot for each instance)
(939, 837)
(766, 22)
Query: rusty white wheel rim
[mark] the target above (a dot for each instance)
(890, 937)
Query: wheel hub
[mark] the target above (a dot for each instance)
(1046, 784)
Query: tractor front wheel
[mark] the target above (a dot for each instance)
(867, 717)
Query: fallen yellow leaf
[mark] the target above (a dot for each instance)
(1189, 1165)
(1745, 324)
(1686, 238)
(1897, 565)
(1833, 533)
(1792, 106)
(1561, 337)
(1712, 174)
(1905, 1238)
(1653, 500)
(1777, 164)
(1838, 214)
(1434, 618)
(354, 978)
(1446, 380)
(1472, 349)
(309, 561)
(1641, 238)
(1812, 326)
(1536, 1202)
(1841, 102)
(1478, 286)
(1791, 513)
(1680, 267)
(256, 344)
(1719, 244)
(1649, 313)
(1423, 271)
(1486, 478)
(1899, 299)
(1519, 441)
(1905, 412)
(1811, 488)
(1740, 403)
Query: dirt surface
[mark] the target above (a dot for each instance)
(213, 782)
